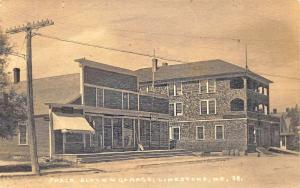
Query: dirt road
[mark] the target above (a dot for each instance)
(240, 172)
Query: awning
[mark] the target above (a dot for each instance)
(71, 123)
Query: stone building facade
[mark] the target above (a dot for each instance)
(214, 106)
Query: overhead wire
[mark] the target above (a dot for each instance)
(109, 48)
(140, 54)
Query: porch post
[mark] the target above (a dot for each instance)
(51, 135)
(134, 134)
(139, 131)
(64, 142)
(150, 134)
(112, 132)
(123, 133)
(84, 141)
(285, 142)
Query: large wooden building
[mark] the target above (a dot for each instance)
(119, 116)
(99, 109)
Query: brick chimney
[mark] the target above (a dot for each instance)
(16, 75)
(154, 65)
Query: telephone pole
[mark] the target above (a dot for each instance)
(30, 110)
(246, 56)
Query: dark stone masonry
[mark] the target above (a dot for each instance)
(231, 102)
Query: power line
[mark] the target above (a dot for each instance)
(109, 48)
(139, 54)
(280, 76)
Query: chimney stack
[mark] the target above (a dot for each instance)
(16, 75)
(154, 65)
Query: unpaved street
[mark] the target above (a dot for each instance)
(249, 171)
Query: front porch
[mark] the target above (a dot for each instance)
(105, 133)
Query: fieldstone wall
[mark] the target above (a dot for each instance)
(235, 136)
(191, 98)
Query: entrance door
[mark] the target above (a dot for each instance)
(283, 142)
(108, 137)
(108, 134)
(258, 137)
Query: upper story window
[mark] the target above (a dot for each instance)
(237, 105)
(149, 88)
(208, 106)
(23, 133)
(211, 86)
(90, 96)
(236, 83)
(100, 95)
(125, 101)
(175, 89)
(176, 109)
(207, 86)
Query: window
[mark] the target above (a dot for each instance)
(219, 132)
(112, 99)
(100, 95)
(146, 103)
(207, 86)
(171, 110)
(237, 105)
(191, 86)
(179, 109)
(74, 137)
(211, 86)
(175, 89)
(208, 107)
(125, 101)
(149, 89)
(200, 132)
(251, 135)
(236, 83)
(178, 89)
(161, 105)
(171, 89)
(133, 101)
(23, 133)
(203, 86)
(212, 106)
(176, 109)
(175, 133)
(203, 107)
(90, 96)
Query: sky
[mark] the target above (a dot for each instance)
(187, 30)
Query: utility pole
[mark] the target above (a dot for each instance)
(154, 68)
(246, 55)
(30, 110)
